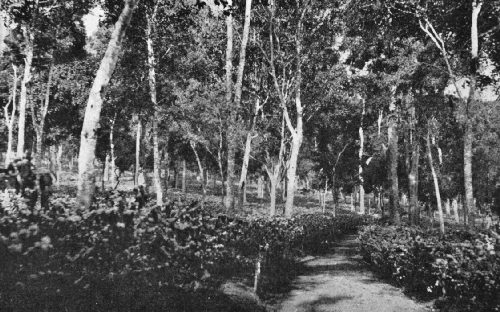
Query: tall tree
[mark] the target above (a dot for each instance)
(150, 30)
(86, 170)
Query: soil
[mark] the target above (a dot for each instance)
(339, 281)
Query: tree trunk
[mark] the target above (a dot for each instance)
(3, 31)
(28, 60)
(248, 147)
(360, 169)
(469, 197)
(10, 118)
(59, 164)
(112, 166)
(454, 206)
(334, 195)
(200, 168)
(105, 176)
(272, 194)
(38, 119)
(156, 114)
(86, 170)
(436, 185)
(137, 151)
(297, 132)
(413, 184)
(231, 140)
(184, 173)
(260, 187)
(393, 165)
(468, 134)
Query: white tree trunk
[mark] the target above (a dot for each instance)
(112, 166)
(436, 185)
(3, 31)
(156, 114)
(454, 207)
(137, 151)
(184, 173)
(200, 167)
(86, 169)
(360, 168)
(28, 60)
(59, 164)
(105, 176)
(11, 117)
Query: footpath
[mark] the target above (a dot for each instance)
(339, 281)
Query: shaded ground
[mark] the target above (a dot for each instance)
(339, 282)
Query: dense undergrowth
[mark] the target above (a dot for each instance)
(460, 270)
(115, 257)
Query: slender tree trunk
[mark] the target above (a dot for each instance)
(237, 98)
(28, 60)
(297, 133)
(272, 194)
(393, 166)
(10, 118)
(105, 176)
(3, 31)
(469, 197)
(468, 132)
(231, 139)
(248, 147)
(137, 151)
(360, 169)
(59, 164)
(200, 167)
(184, 173)
(334, 194)
(436, 185)
(156, 114)
(413, 184)
(112, 166)
(86, 170)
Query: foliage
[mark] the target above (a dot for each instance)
(69, 256)
(461, 268)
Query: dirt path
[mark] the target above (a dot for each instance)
(339, 282)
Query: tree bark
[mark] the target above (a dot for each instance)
(237, 98)
(28, 60)
(137, 151)
(248, 147)
(360, 169)
(184, 173)
(200, 168)
(59, 164)
(39, 119)
(86, 169)
(274, 170)
(3, 31)
(297, 132)
(392, 131)
(156, 114)
(413, 183)
(11, 117)
(436, 185)
(231, 127)
(112, 166)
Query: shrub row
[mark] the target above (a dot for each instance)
(74, 257)
(461, 269)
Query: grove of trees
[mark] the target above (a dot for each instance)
(395, 99)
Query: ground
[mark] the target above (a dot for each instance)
(339, 281)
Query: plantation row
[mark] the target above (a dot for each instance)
(461, 269)
(119, 258)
